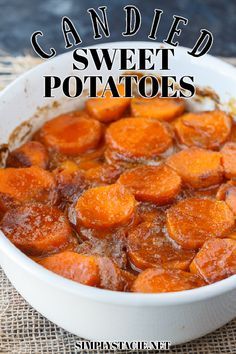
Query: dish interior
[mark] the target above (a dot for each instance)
(133, 195)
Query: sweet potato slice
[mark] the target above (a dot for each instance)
(70, 181)
(32, 153)
(155, 184)
(108, 108)
(103, 173)
(105, 207)
(198, 168)
(160, 108)
(227, 192)
(216, 260)
(20, 185)
(203, 129)
(138, 138)
(232, 137)
(71, 135)
(95, 271)
(74, 266)
(158, 280)
(111, 276)
(149, 247)
(230, 199)
(192, 221)
(114, 158)
(128, 279)
(37, 229)
(232, 235)
(229, 160)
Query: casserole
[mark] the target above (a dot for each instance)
(89, 312)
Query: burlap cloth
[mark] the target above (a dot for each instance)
(24, 330)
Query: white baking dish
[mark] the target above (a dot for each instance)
(100, 314)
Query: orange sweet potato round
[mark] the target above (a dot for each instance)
(105, 207)
(32, 153)
(37, 229)
(229, 160)
(227, 192)
(232, 137)
(111, 276)
(108, 108)
(95, 271)
(74, 266)
(232, 235)
(102, 173)
(158, 280)
(216, 260)
(160, 108)
(149, 247)
(128, 280)
(20, 185)
(192, 221)
(70, 181)
(71, 135)
(198, 168)
(155, 184)
(203, 129)
(138, 138)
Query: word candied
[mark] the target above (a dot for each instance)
(123, 59)
(133, 19)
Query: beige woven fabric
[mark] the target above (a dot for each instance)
(24, 330)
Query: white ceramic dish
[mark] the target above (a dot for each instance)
(100, 314)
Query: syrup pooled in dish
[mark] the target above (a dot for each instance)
(130, 195)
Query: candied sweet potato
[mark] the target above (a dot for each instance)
(128, 280)
(37, 229)
(70, 181)
(108, 108)
(149, 247)
(32, 153)
(216, 260)
(198, 168)
(160, 108)
(95, 271)
(227, 192)
(203, 129)
(111, 276)
(232, 235)
(105, 207)
(71, 135)
(229, 160)
(103, 173)
(155, 184)
(138, 138)
(158, 280)
(232, 137)
(20, 185)
(192, 221)
(74, 266)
